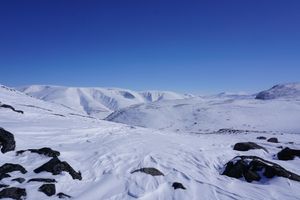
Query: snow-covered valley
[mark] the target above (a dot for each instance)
(180, 137)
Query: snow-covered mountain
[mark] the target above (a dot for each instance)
(224, 110)
(97, 102)
(109, 155)
(31, 107)
(200, 115)
(281, 91)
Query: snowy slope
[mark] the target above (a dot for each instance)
(281, 91)
(97, 102)
(106, 153)
(200, 115)
(32, 107)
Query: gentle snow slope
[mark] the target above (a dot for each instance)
(97, 102)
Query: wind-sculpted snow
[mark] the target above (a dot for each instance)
(97, 102)
(107, 153)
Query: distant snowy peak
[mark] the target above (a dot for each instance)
(95, 101)
(281, 91)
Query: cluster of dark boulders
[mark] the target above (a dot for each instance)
(272, 139)
(54, 166)
(231, 131)
(250, 167)
(12, 108)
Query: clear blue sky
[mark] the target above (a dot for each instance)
(193, 46)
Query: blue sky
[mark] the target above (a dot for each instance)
(186, 46)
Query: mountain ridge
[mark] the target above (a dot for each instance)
(97, 101)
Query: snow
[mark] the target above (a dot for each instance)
(281, 91)
(96, 102)
(106, 152)
(198, 115)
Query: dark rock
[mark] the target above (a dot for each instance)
(45, 180)
(3, 186)
(9, 167)
(55, 166)
(246, 146)
(63, 196)
(235, 169)
(288, 154)
(273, 140)
(13, 193)
(250, 176)
(7, 141)
(177, 185)
(231, 131)
(269, 172)
(151, 171)
(290, 142)
(249, 166)
(2, 176)
(43, 151)
(48, 189)
(19, 180)
(261, 138)
(12, 108)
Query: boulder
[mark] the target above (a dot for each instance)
(250, 166)
(149, 170)
(13, 193)
(273, 140)
(63, 195)
(2, 176)
(246, 146)
(288, 154)
(9, 167)
(55, 166)
(48, 189)
(19, 180)
(177, 185)
(44, 180)
(7, 141)
(261, 138)
(3, 185)
(43, 151)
